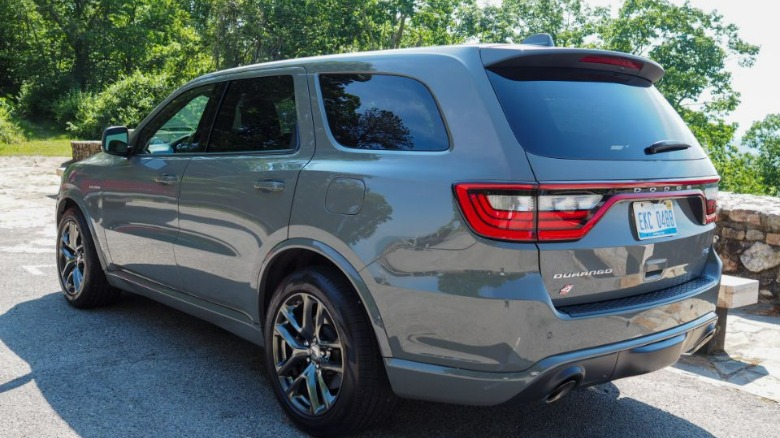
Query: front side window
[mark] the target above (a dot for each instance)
(382, 112)
(256, 114)
(181, 125)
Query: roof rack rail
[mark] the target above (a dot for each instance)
(539, 39)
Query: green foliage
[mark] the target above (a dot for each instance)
(126, 102)
(76, 62)
(67, 107)
(764, 137)
(10, 132)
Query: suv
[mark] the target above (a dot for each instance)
(468, 224)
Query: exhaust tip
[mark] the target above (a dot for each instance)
(560, 390)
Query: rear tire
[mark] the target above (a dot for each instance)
(81, 276)
(322, 356)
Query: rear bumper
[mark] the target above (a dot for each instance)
(590, 366)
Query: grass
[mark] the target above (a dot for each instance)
(42, 139)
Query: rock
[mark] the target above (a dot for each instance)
(773, 239)
(731, 233)
(764, 293)
(760, 257)
(746, 216)
(729, 264)
(755, 235)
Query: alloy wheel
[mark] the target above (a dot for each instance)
(71, 259)
(308, 354)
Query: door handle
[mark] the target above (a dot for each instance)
(166, 179)
(269, 186)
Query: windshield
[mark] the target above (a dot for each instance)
(582, 114)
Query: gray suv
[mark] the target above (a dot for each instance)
(468, 224)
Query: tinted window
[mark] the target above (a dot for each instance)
(589, 115)
(382, 112)
(181, 125)
(256, 114)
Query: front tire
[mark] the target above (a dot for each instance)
(82, 278)
(322, 356)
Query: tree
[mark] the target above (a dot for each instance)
(693, 46)
(764, 137)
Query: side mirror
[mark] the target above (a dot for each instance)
(115, 141)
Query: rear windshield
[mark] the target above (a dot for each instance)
(581, 114)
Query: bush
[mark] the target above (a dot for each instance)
(67, 108)
(125, 102)
(9, 130)
(37, 98)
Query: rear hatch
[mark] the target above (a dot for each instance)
(625, 196)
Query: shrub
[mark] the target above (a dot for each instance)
(67, 108)
(37, 98)
(9, 130)
(125, 102)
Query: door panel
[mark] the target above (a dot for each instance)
(235, 200)
(140, 215)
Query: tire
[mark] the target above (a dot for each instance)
(81, 276)
(334, 350)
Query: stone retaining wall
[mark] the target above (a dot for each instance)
(83, 149)
(748, 239)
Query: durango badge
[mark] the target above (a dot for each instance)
(583, 273)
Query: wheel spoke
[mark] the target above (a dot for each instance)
(296, 383)
(288, 338)
(73, 236)
(288, 314)
(311, 388)
(70, 263)
(332, 366)
(319, 320)
(65, 239)
(307, 317)
(77, 278)
(283, 368)
(327, 397)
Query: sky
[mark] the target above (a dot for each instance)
(758, 24)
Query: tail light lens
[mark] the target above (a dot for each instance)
(563, 216)
(555, 212)
(499, 211)
(711, 198)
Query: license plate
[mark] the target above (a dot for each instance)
(654, 219)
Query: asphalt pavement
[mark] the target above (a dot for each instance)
(142, 369)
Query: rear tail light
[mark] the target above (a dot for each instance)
(499, 211)
(563, 216)
(555, 212)
(711, 197)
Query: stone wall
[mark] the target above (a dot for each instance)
(748, 239)
(83, 149)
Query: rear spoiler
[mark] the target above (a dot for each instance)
(604, 60)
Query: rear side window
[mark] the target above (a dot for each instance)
(382, 112)
(580, 114)
(256, 114)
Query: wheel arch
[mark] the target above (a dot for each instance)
(68, 201)
(298, 253)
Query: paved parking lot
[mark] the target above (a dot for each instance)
(142, 369)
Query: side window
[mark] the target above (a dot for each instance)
(256, 114)
(182, 125)
(382, 112)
